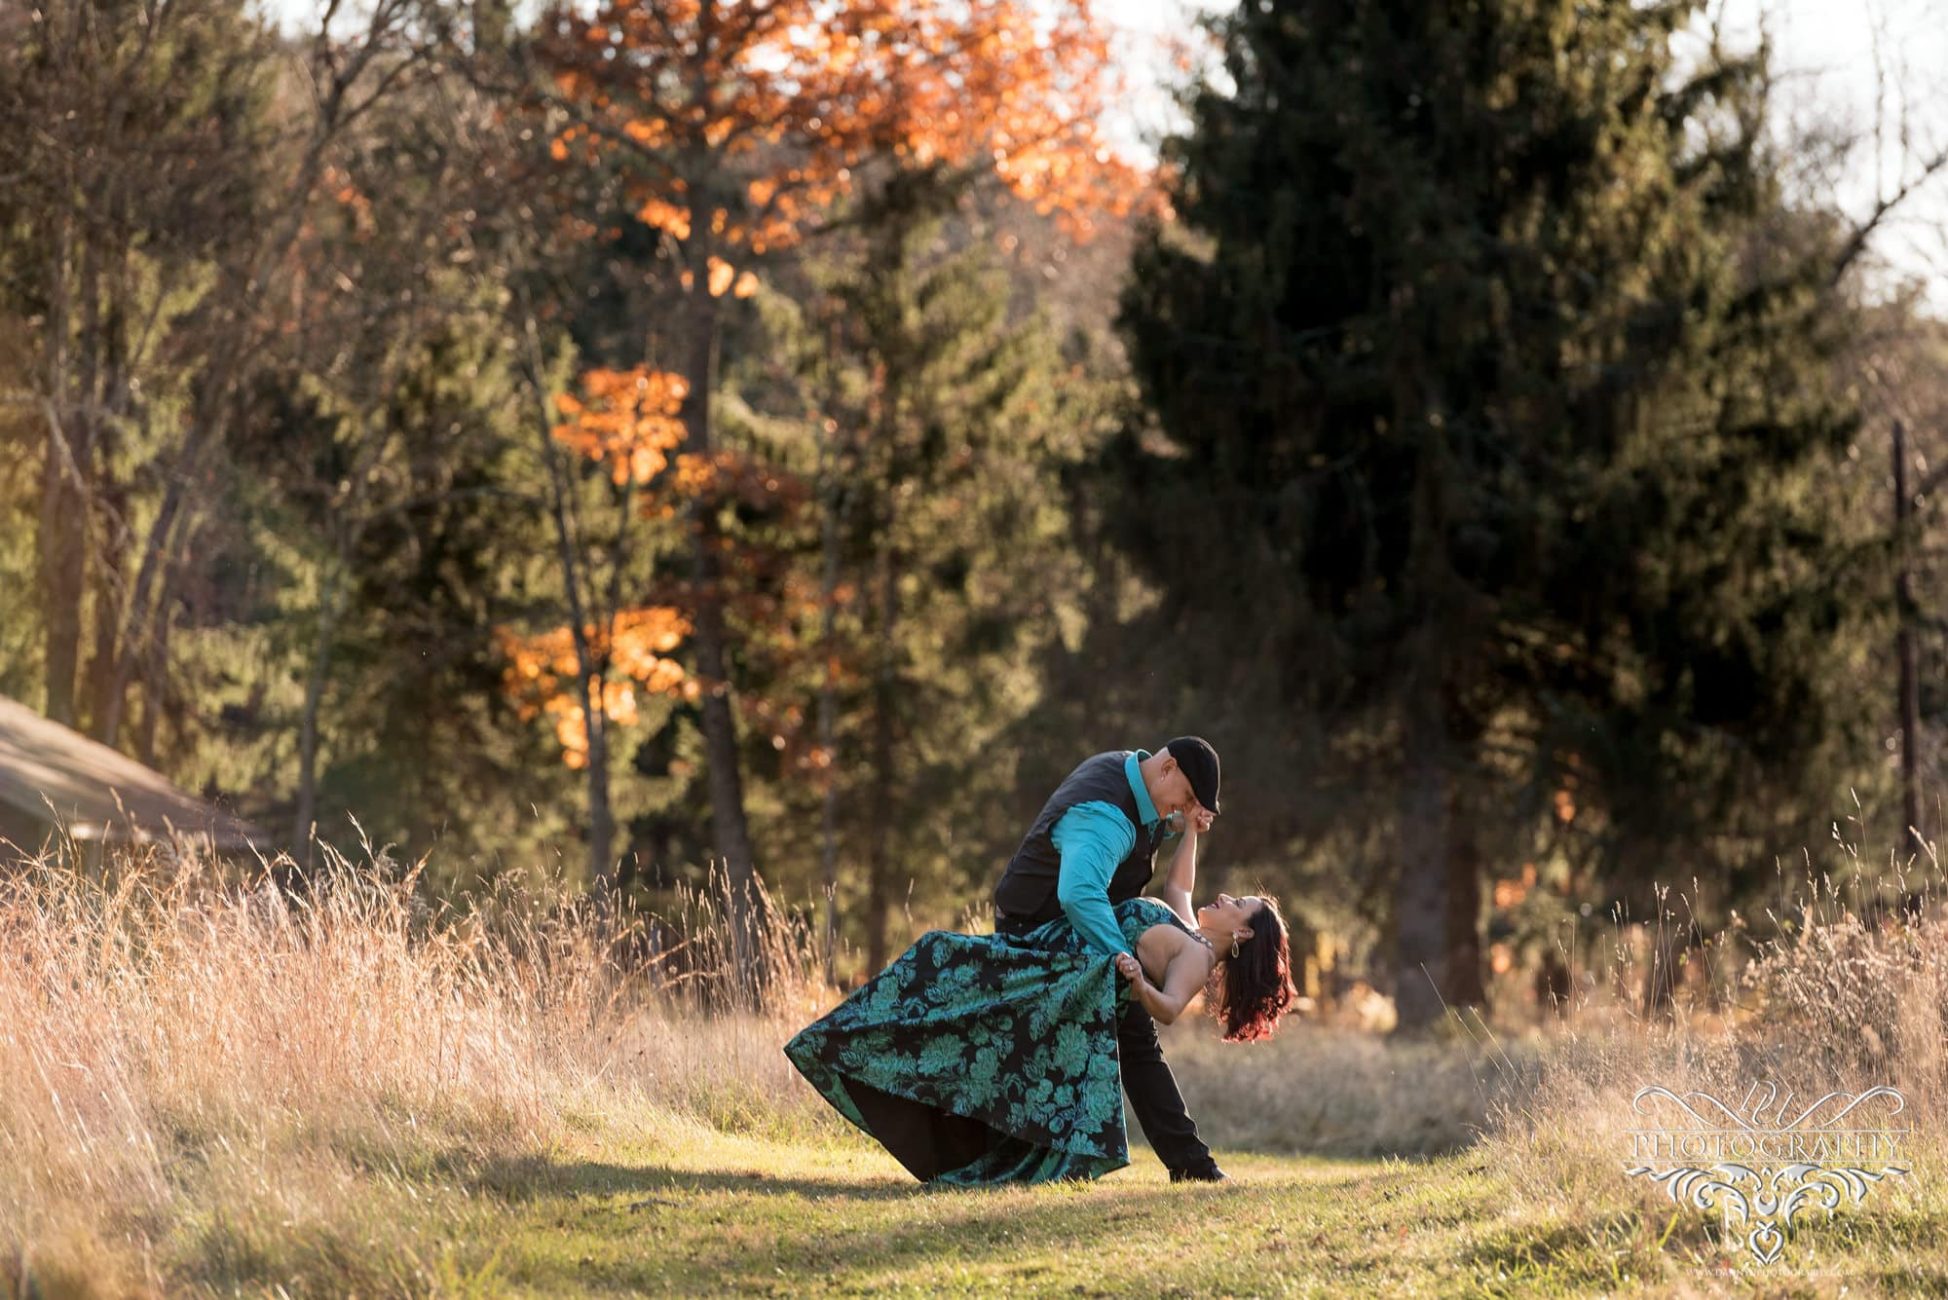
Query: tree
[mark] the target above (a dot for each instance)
(742, 122)
(951, 419)
(380, 487)
(626, 422)
(154, 204)
(1495, 379)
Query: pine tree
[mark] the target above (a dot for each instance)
(1500, 414)
(945, 418)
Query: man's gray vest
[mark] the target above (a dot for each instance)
(1027, 887)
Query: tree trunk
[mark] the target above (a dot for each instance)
(111, 401)
(879, 866)
(155, 678)
(610, 875)
(1420, 907)
(104, 713)
(63, 545)
(591, 669)
(140, 615)
(304, 820)
(63, 555)
(601, 817)
(828, 704)
(85, 427)
(1465, 984)
(154, 655)
(730, 830)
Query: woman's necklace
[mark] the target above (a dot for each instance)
(1210, 969)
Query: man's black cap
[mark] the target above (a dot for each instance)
(1200, 763)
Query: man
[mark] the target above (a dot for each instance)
(1095, 844)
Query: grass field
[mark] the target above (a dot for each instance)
(216, 1091)
(696, 1212)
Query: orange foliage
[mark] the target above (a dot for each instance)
(626, 418)
(771, 104)
(728, 473)
(1510, 893)
(338, 183)
(542, 672)
(660, 214)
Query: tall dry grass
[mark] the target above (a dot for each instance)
(1337, 1091)
(1846, 990)
(204, 1073)
(214, 1082)
(1836, 987)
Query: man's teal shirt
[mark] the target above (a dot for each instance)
(1093, 838)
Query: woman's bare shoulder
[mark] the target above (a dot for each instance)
(1158, 944)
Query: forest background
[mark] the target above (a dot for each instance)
(653, 448)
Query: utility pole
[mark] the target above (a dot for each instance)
(1904, 641)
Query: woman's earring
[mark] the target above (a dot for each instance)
(1234, 945)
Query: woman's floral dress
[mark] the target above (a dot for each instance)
(981, 1059)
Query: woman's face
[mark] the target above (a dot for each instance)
(1231, 915)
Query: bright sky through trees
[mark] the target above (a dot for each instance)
(1836, 57)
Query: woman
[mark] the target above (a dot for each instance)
(981, 1059)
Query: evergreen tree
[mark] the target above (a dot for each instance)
(1498, 417)
(944, 416)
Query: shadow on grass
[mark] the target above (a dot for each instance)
(726, 1229)
(527, 1178)
(531, 1177)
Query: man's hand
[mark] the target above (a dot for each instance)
(1163, 1008)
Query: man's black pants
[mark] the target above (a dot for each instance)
(1147, 1080)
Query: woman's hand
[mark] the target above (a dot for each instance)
(1128, 967)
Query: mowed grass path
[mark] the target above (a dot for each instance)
(718, 1215)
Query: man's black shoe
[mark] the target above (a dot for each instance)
(1208, 1172)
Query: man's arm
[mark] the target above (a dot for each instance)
(1092, 838)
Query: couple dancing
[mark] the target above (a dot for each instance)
(979, 1059)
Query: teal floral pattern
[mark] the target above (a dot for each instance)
(980, 1059)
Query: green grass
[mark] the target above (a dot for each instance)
(688, 1211)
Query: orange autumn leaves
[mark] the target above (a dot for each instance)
(629, 421)
(749, 118)
(542, 672)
